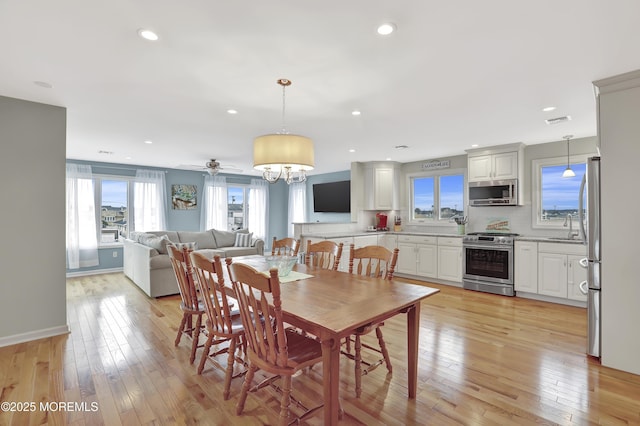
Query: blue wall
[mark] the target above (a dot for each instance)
(326, 217)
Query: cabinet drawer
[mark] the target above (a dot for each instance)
(450, 241)
(346, 241)
(417, 239)
(577, 249)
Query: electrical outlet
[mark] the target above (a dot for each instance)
(115, 253)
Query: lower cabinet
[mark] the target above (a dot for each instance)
(559, 270)
(526, 266)
(550, 269)
(417, 255)
(346, 250)
(450, 259)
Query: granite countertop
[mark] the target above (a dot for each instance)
(550, 239)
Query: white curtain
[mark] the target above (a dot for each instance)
(215, 211)
(258, 206)
(297, 204)
(149, 201)
(82, 234)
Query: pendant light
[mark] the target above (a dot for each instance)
(283, 154)
(568, 172)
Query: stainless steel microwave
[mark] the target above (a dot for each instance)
(494, 193)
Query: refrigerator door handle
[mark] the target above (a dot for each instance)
(581, 208)
(583, 288)
(584, 262)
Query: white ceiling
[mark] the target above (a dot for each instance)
(455, 73)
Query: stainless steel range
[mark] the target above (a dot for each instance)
(487, 263)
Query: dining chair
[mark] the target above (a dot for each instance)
(376, 262)
(323, 254)
(276, 349)
(285, 247)
(223, 324)
(190, 304)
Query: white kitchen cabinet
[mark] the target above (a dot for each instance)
(417, 255)
(346, 250)
(365, 240)
(381, 187)
(390, 241)
(493, 166)
(526, 266)
(450, 259)
(559, 270)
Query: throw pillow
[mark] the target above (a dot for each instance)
(243, 240)
(188, 246)
(158, 243)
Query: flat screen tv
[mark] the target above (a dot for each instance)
(332, 197)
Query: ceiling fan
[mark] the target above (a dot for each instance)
(213, 167)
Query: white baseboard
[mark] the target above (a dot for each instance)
(93, 272)
(34, 335)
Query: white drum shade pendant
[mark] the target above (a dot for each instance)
(283, 154)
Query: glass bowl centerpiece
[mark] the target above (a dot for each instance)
(283, 263)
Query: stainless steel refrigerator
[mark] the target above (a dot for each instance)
(592, 287)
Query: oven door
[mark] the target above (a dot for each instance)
(488, 263)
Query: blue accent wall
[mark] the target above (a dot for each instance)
(324, 178)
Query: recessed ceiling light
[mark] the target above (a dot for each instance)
(148, 142)
(102, 151)
(147, 34)
(475, 145)
(127, 158)
(352, 150)
(232, 111)
(386, 28)
(43, 84)
(549, 108)
(355, 112)
(388, 158)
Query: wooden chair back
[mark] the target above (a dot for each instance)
(213, 293)
(323, 254)
(261, 312)
(373, 261)
(285, 247)
(183, 270)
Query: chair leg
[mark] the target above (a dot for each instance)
(183, 322)
(231, 356)
(205, 354)
(245, 389)
(358, 367)
(383, 349)
(285, 400)
(196, 338)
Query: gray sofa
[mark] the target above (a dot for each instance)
(146, 260)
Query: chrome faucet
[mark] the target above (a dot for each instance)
(571, 234)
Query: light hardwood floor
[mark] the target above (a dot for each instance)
(484, 360)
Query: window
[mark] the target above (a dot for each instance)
(114, 214)
(237, 207)
(436, 197)
(555, 197)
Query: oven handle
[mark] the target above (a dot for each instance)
(490, 247)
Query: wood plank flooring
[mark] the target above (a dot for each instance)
(484, 360)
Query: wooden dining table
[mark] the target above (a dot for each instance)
(331, 305)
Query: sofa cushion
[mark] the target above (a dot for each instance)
(209, 253)
(238, 251)
(243, 240)
(160, 262)
(205, 239)
(224, 238)
(155, 242)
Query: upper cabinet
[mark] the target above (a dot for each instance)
(502, 162)
(493, 166)
(375, 186)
